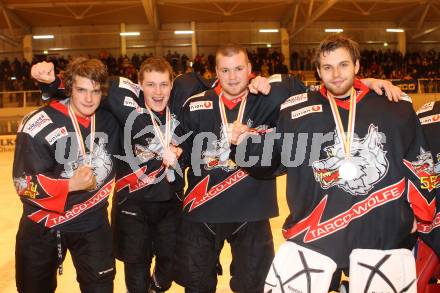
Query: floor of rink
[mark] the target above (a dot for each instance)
(10, 212)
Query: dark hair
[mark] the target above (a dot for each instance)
(231, 49)
(157, 64)
(334, 42)
(92, 69)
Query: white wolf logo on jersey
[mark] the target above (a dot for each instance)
(367, 155)
(101, 164)
(437, 165)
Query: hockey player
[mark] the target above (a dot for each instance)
(146, 206)
(63, 171)
(222, 202)
(353, 180)
(428, 256)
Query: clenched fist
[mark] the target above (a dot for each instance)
(170, 156)
(82, 179)
(43, 72)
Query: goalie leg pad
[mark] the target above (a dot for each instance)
(299, 269)
(374, 270)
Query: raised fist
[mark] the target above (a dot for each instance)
(43, 72)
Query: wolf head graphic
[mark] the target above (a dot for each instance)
(368, 157)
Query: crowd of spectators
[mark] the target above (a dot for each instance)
(15, 74)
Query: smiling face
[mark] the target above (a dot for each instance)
(157, 89)
(338, 71)
(233, 73)
(86, 96)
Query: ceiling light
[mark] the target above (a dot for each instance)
(183, 32)
(130, 33)
(268, 30)
(38, 37)
(395, 30)
(269, 45)
(333, 30)
(385, 44)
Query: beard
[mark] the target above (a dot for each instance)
(341, 91)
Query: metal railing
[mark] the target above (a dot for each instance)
(20, 99)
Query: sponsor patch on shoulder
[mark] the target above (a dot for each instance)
(129, 102)
(275, 78)
(125, 83)
(405, 97)
(56, 134)
(430, 119)
(306, 110)
(200, 105)
(294, 100)
(36, 123)
(425, 108)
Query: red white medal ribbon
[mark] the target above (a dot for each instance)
(164, 139)
(78, 134)
(224, 117)
(347, 170)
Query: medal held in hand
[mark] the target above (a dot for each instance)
(347, 169)
(226, 126)
(165, 139)
(81, 144)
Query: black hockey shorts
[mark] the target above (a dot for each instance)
(141, 231)
(36, 258)
(198, 249)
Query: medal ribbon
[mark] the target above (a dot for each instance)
(164, 139)
(346, 139)
(224, 117)
(78, 134)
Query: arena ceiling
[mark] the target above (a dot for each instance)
(295, 15)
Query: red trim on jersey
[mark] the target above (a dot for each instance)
(200, 194)
(84, 121)
(137, 180)
(423, 210)
(52, 219)
(56, 190)
(361, 92)
(315, 229)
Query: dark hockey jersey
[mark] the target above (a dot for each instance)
(218, 191)
(139, 173)
(429, 115)
(46, 155)
(376, 209)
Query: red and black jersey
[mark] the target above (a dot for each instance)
(374, 209)
(429, 115)
(139, 172)
(218, 190)
(46, 155)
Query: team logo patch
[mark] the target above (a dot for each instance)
(56, 134)
(201, 105)
(129, 102)
(125, 83)
(425, 108)
(274, 78)
(368, 158)
(306, 110)
(294, 100)
(25, 186)
(217, 156)
(36, 123)
(100, 161)
(430, 119)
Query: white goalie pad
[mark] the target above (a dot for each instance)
(382, 271)
(299, 269)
